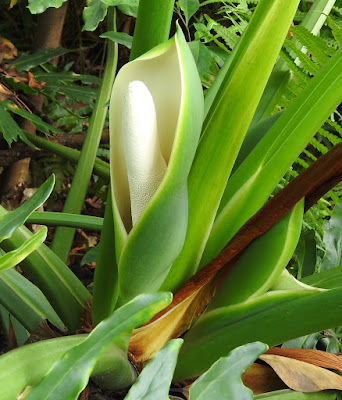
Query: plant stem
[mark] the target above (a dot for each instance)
(62, 242)
(152, 26)
(101, 168)
(66, 219)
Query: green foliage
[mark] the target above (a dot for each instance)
(223, 379)
(245, 154)
(156, 377)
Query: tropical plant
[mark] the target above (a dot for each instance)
(188, 213)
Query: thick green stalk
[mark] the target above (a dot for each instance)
(152, 28)
(105, 288)
(66, 219)
(101, 168)
(64, 236)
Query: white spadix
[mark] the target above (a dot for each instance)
(145, 164)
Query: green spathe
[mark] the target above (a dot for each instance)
(156, 114)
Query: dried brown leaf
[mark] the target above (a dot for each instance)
(302, 376)
(262, 379)
(314, 357)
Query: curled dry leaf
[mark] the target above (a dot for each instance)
(302, 376)
(262, 379)
(315, 357)
(7, 49)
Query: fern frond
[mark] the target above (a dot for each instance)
(316, 46)
(336, 126)
(310, 66)
(318, 146)
(336, 30)
(299, 75)
(330, 136)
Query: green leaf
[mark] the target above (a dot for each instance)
(64, 291)
(189, 7)
(155, 379)
(118, 37)
(93, 14)
(333, 240)
(201, 56)
(128, 7)
(9, 128)
(261, 264)
(226, 125)
(257, 177)
(14, 257)
(76, 92)
(328, 279)
(41, 56)
(39, 6)
(25, 301)
(223, 379)
(272, 318)
(13, 219)
(288, 394)
(37, 121)
(70, 375)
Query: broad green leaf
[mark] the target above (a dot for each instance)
(306, 254)
(223, 379)
(14, 257)
(93, 14)
(41, 56)
(189, 7)
(155, 379)
(25, 301)
(333, 240)
(70, 375)
(272, 318)
(288, 394)
(146, 251)
(201, 56)
(226, 125)
(27, 365)
(39, 6)
(261, 264)
(257, 177)
(13, 219)
(129, 7)
(9, 129)
(118, 37)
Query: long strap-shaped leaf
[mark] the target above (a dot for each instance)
(226, 125)
(70, 375)
(253, 182)
(25, 301)
(272, 318)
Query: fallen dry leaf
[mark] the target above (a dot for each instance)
(315, 357)
(302, 376)
(7, 49)
(262, 379)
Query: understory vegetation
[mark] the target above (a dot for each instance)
(171, 199)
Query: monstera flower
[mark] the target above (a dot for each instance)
(156, 113)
